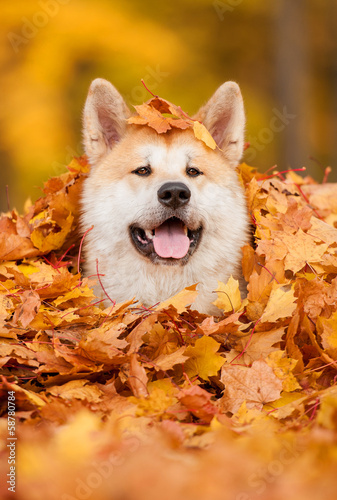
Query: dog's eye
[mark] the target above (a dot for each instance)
(193, 172)
(142, 171)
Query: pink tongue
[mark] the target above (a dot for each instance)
(170, 240)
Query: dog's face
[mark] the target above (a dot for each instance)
(167, 211)
(162, 196)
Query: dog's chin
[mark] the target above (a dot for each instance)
(142, 240)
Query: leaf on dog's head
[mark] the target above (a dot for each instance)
(148, 115)
(201, 133)
(162, 116)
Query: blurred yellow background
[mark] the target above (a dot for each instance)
(283, 53)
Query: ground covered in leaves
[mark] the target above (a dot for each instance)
(128, 403)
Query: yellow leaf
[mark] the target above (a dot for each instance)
(77, 389)
(328, 409)
(27, 269)
(74, 440)
(283, 368)
(286, 405)
(180, 301)
(164, 384)
(201, 133)
(78, 292)
(247, 416)
(155, 404)
(229, 298)
(6, 307)
(302, 248)
(281, 304)
(46, 239)
(257, 346)
(327, 328)
(31, 396)
(167, 361)
(79, 166)
(203, 360)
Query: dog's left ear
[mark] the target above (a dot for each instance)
(224, 117)
(104, 119)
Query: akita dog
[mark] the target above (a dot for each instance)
(167, 211)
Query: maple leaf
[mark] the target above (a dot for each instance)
(47, 235)
(154, 114)
(283, 368)
(180, 301)
(29, 308)
(247, 416)
(328, 409)
(256, 347)
(13, 246)
(295, 217)
(77, 389)
(135, 338)
(323, 231)
(281, 304)
(229, 297)
(80, 296)
(227, 325)
(273, 250)
(157, 402)
(302, 249)
(147, 115)
(203, 360)
(327, 329)
(6, 307)
(20, 353)
(198, 401)
(256, 385)
(103, 345)
(137, 377)
(201, 133)
(23, 397)
(167, 361)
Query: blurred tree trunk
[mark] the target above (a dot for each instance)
(332, 78)
(6, 178)
(292, 79)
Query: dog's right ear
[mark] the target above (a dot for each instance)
(104, 120)
(224, 116)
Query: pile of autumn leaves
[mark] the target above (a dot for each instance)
(113, 402)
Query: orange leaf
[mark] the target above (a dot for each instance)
(256, 385)
(198, 401)
(29, 308)
(137, 377)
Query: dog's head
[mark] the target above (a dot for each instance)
(165, 194)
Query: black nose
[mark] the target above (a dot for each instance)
(174, 194)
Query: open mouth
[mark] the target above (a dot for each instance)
(172, 242)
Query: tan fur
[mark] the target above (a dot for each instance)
(114, 198)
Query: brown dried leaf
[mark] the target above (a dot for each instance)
(137, 377)
(29, 308)
(198, 401)
(256, 385)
